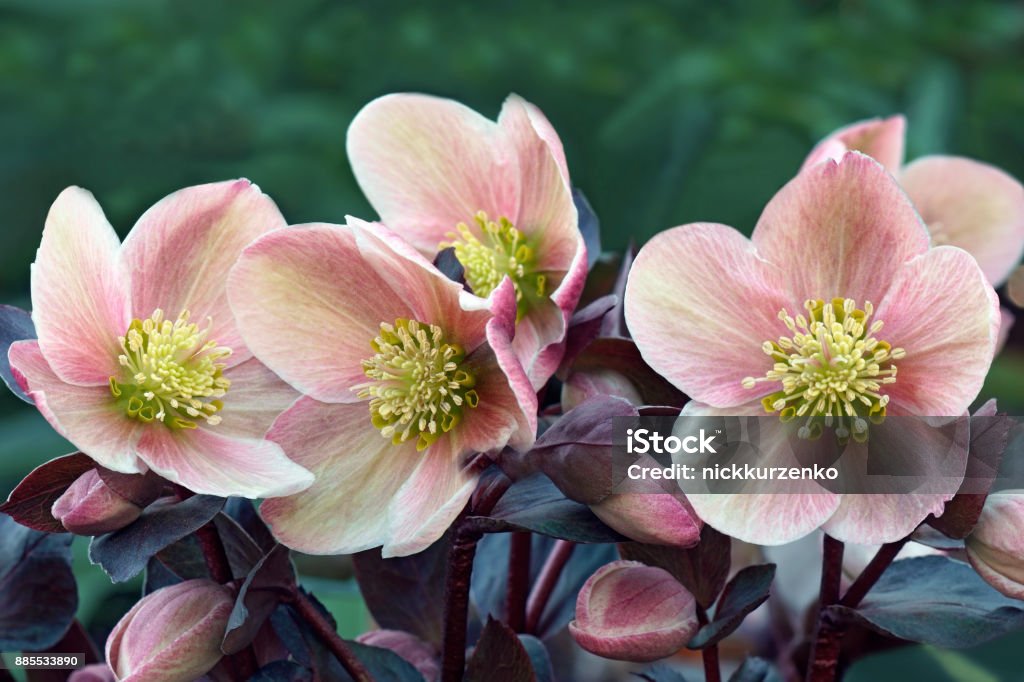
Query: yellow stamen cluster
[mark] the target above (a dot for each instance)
(418, 386)
(171, 372)
(832, 369)
(500, 250)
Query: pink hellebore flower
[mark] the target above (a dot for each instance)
(405, 375)
(629, 611)
(138, 361)
(810, 319)
(442, 175)
(996, 545)
(963, 202)
(171, 635)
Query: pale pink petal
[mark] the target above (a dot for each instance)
(658, 519)
(429, 500)
(880, 518)
(85, 415)
(545, 130)
(944, 314)
(507, 411)
(427, 164)
(763, 518)
(881, 139)
(357, 471)
(538, 341)
(180, 252)
(840, 230)
(971, 205)
(308, 305)
(700, 303)
(256, 397)
(210, 463)
(79, 297)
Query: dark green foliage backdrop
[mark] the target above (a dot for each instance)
(671, 112)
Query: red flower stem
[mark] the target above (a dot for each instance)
(709, 654)
(456, 600)
(872, 572)
(828, 636)
(520, 545)
(546, 582)
(329, 636)
(215, 554)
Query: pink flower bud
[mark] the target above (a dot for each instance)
(90, 507)
(421, 655)
(581, 385)
(171, 635)
(654, 518)
(996, 545)
(633, 612)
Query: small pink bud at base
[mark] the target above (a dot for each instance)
(171, 635)
(653, 518)
(90, 507)
(996, 546)
(421, 655)
(629, 611)
(581, 385)
(97, 672)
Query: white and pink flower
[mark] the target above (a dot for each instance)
(405, 374)
(442, 175)
(836, 290)
(139, 362)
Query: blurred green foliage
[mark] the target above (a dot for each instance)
(671, 112)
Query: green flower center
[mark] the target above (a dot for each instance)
(418, 385)
(172, 374)
(499, 250)
(832, 369)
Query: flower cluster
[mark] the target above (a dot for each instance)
(389, 389)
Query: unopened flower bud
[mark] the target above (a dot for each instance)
(171, 635)
(653, 518)
(97, 672)
(584, 384)
(91, 507)
(629, 611)
(996, 545)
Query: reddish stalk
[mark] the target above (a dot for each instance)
(546, 582)
(520, 545)
(329, 636)
(872, 572)
(828, 636)
(456, 600)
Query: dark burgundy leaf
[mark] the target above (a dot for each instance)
(702, 569)
(989, 435)
(936, 600)
(622, 356)
(123, 554)
(15, 325)
(614, 324)
(30, 502)
(38, 597)
(584, 326)
(244, 512)
(745, 592)
(449, 265)
(243, 552)
(406, 593)
(283, 671)
(539, 658)
(75, 641)
(536, 505)
(270, 581)
(499, 656)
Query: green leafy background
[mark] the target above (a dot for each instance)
(671, 112)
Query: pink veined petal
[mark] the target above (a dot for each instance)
(429, 500)
(840, 230)
(85, 415)
(881, 518)
(881, 139)
(357, 471)
(545, 130)
(79, 298)
(256, 397)
(180, 252)
(755, 517)
(971, 205)
(210, 463)
(700, 303)
(431, 297)
(308, 304)
(427, 164)
(942, 311)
